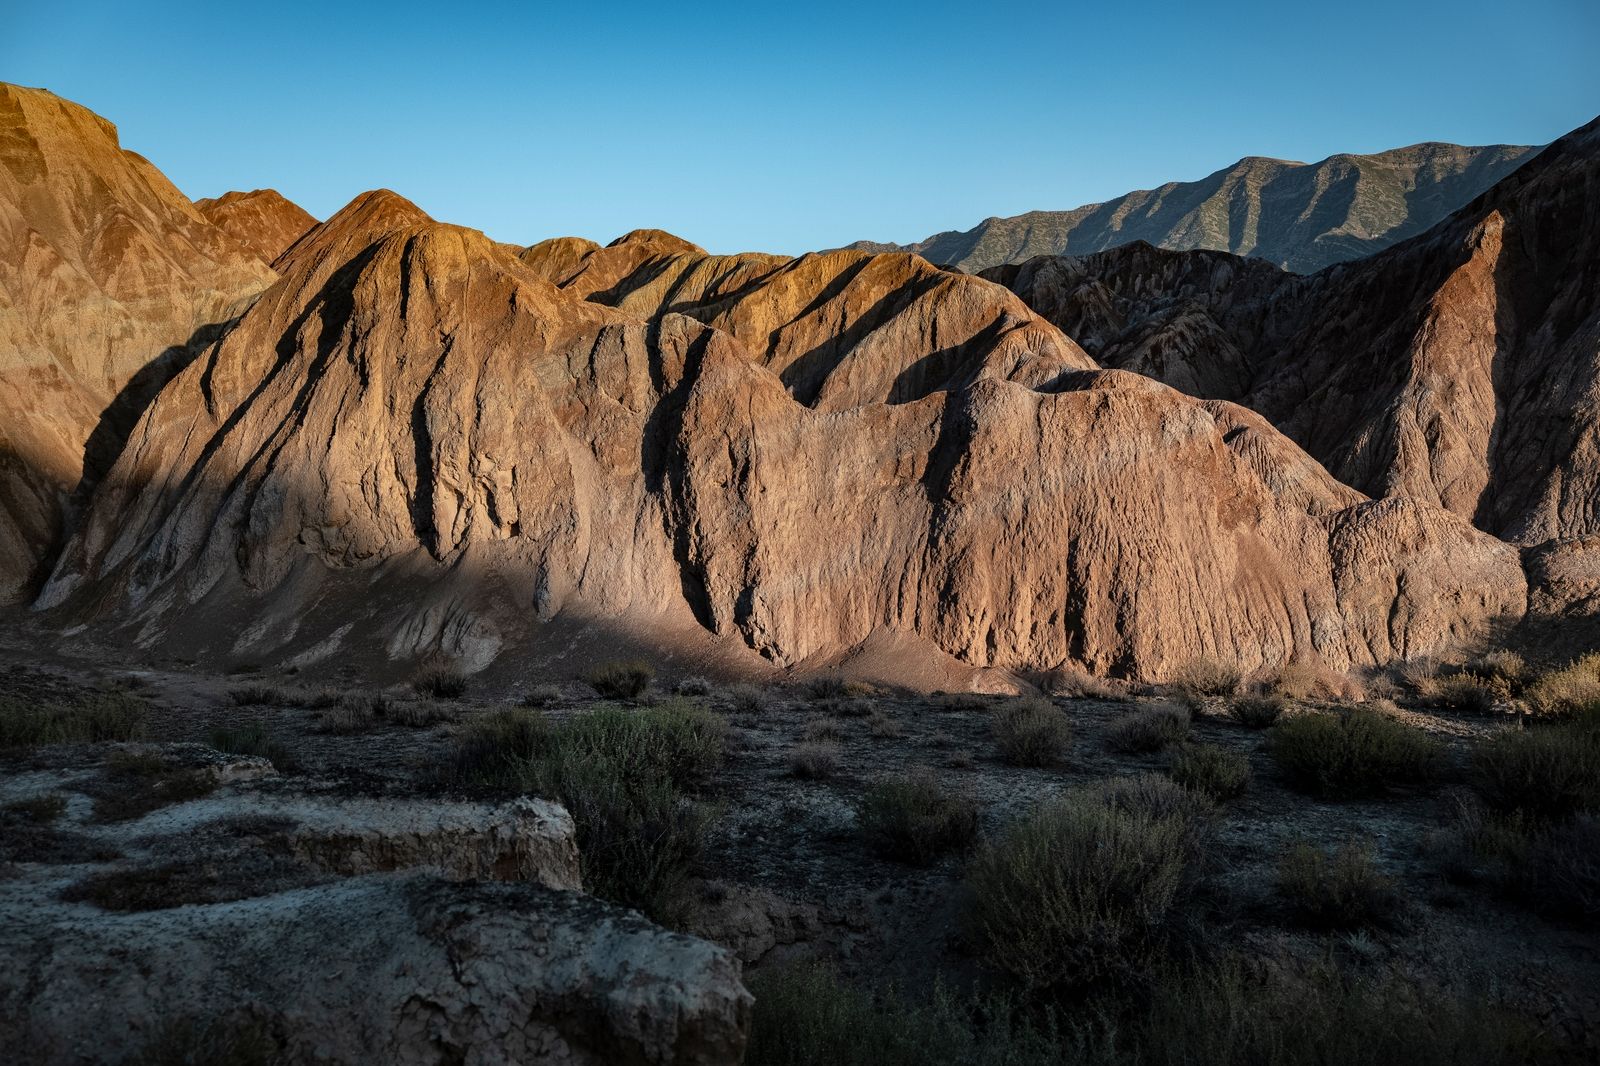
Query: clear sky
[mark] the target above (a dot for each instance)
(791, 126)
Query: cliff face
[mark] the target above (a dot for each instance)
(107, 273)
(794, 455)
(1300, 216)
(1461, 367)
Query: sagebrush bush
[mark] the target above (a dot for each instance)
(1076, 683)
(541, 696)
(693, 686)
(883, 725)
(746, 699)
(621, 680)
(252, 738)
(1546, 772)
(1355, 752)
(439, 679)
(1148, 729)
(915, 818)
(1573, 689)
(1205, 678)
(92, 718)
(966, 701)
(814, 760)
(1503, 670)
(1257, 712)
(826, 687)
(1342, 889)
(1077, 890)
(1212, 770)
(1031, 731)
(626, 777)
(259, 695)
(1464, 692)
(823, 729)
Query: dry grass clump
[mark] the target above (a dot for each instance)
(1355, 752)
(252, 738)
(1211, 770)
(746, 699)
(966, 701)
(621, 680)
(347, 719)
(1419, 676)
(93, 717)
(1205, 678)
(1342, 889)
(1148, 729)
(1257, 712)
(440, 679)
(1072, 682)
(1573, 689)
(1546, 773)
(814, 760)
(826, 687)
(823, 729)
(1031, 731)
(1464, 692)
(1079, 890)
(884, 726)
(420, 714)
(692, 686)
(137, 783)
(915, 818)
(848, 707)
(541, 696)
(259, 695)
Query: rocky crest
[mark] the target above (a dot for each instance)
(1300, 216)
(1460, 367)
(108, 276)
(260, 220)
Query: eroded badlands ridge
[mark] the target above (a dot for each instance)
(796, 455)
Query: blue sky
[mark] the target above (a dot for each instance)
(785, 127)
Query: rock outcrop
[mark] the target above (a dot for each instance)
(1461, 367)
(1300, 216)
(260, 220)
(108, 278)
(792, 454)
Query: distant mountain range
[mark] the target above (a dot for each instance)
(1299, 216)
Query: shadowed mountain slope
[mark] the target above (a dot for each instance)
(107, 273)
(1301, 216)
(1461, 367)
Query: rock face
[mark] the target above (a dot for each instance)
(1461, 367)
(108, 275)
(792, 454)
(261, 221)
(1301, 216)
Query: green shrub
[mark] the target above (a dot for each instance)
(621, 680)
(1356, 752)
(1212, 770)
(252, 738)
(626, 777)
(1257, 712)
(1077, 890)
(93, 717)
(1574, 689)
(439, 679)
(1546, 772)
(1031, 731)
(915, 818)
(1341, 890)
(1148, 729)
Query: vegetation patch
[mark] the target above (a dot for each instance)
(815, 760)
(84, 718)
(440, 679)
(1546, 772)
(252, 738)
(1342, 889)
(1211, 770)
(1574, 689)
(1031, 731)
(1148, 729)
(1257, 712)
(136, 783)
(621, 680)
(1356, 752)
(915, 818)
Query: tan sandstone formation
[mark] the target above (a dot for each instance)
(792, 454)
(261, 220)
(1461, 367)
(107, 273)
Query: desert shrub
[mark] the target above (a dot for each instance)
(345, 719)
(1293, 681)
(1573, 689)
(1031, 732)
(745, 699)
(1212, 770)
(914, 818)
(823, 729)
(847, 707)
(1563, 870)
(94, 717)
(1419, 676)
(1077, 890)
(1476, 844)
(826, 687)
(220, 1042)
(439, 679)
(257, 695)
(1257, 712)
(1503, 671)
(1343, 889)
(252, 738)
(138, 782)
(814, 760)
(1547, 772)
(1148, 729)
(322, 699)
(1205, 678)
(883, 725)
(621, 680)
(420, 714)
(493, 748)
(692, 686)
(1463, 692)
(1355, 752)
(375, 703)
(38, 810)
(541, 696)
(965, 701)
(1075, 683)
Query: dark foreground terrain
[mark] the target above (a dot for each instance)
(1298, 868)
